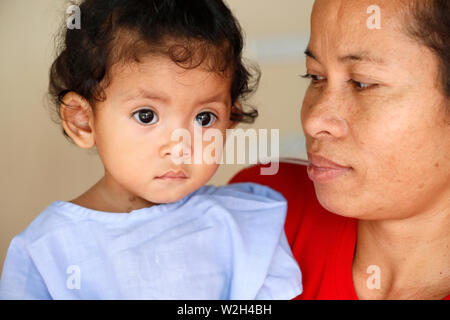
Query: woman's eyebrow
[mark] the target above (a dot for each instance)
(362, 56)
(309, 53)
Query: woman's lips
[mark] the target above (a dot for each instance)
(322, 170)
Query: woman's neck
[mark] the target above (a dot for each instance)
(411, 255)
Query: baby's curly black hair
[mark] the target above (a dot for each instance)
(190, 32)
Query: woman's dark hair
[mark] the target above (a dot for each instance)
(430, 24)
(190, 32)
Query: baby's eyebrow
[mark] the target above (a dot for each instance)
(142, 93)
(216, 98)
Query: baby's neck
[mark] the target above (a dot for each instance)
(106, 196)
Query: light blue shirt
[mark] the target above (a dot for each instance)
(216, 243)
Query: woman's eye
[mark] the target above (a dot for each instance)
(205, 119)
(146, 116)
(362, 86)
(314, 78)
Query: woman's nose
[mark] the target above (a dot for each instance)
(323, 115)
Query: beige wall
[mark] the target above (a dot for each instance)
(39, 166)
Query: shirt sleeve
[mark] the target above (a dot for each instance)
(284, 278)
(268, 270)
(20, 278)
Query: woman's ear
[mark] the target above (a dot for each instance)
(78, 119)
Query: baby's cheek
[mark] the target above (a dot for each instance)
(202, 173)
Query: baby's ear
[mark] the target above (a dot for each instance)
(78, 119)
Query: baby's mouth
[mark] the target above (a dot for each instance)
(173, 175)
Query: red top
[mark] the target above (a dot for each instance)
(323, 243)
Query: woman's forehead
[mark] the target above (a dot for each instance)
(341, 7)
(345, 28)
(358, 16)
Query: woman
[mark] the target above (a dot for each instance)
(376, 118)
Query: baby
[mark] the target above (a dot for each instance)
(137, 71)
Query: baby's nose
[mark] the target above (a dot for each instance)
(177, 145)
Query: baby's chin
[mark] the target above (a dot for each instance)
(170, 195)
(162, 191)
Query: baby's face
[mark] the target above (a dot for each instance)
(145, 104)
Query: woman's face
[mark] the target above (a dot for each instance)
(374, 117)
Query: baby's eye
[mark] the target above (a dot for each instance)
(205, 119)
(146, 116)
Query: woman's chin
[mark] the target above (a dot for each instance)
(351, 207)
(340, 203)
